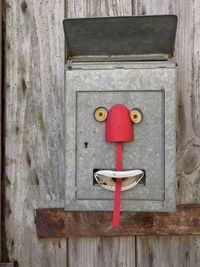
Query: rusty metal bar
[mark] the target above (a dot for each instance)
(58, 223)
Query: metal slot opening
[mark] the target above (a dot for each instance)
(142, 181)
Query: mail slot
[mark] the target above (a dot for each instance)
(120, 86)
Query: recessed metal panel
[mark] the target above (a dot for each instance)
(151, 89)
(131, 37)
(145, 152)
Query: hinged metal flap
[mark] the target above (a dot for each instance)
(121, 38)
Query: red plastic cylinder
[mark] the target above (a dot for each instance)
(119, 127)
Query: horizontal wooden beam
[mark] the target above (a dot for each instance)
(59, 223)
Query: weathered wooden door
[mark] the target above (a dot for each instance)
(33, 173)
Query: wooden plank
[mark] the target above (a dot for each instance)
(180, 251)
(96, 8)
(92, 8)
(188, 101)
(168, 251)
(112, 252)
(51, 223)
(34, 93)
(152, 7)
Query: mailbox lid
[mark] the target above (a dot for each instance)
(120, 38)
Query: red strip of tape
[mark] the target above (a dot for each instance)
(117, 198)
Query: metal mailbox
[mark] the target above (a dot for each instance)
(127, 61)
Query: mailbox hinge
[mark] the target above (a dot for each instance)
(92, 65)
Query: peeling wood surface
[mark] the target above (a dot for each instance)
(54, 223)
(34, 90)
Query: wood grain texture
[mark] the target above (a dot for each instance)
(34, 133)
(180, 251)
(188, 101)
(99, 252)
(34, 90)
(99, 8)
(55, 223)
(168, 251)
(152, 7)
(92, 8)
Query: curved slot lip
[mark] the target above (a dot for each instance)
(130, 179)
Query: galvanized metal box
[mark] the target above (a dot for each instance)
(140, 76)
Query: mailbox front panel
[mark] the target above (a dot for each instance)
(152, 90)
(145, 152)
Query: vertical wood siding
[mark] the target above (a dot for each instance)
(34, 172)
(34, 91)
(100, 252)
(180, 251)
